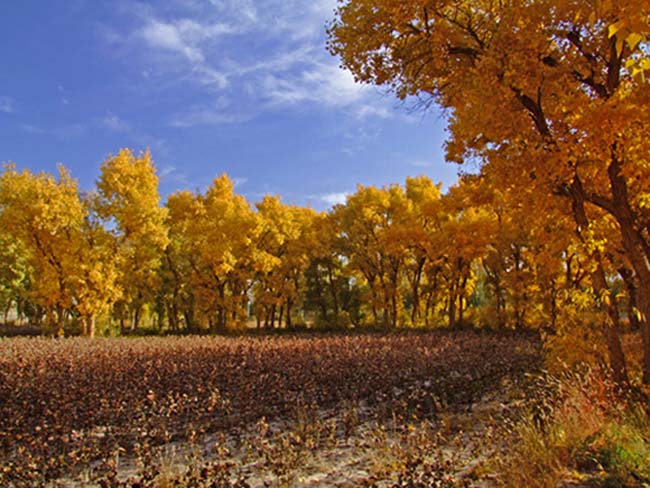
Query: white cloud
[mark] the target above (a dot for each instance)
(64, 100)
(193, 32)
(166, 171)
(209, 76)
(322, 84)
(6, 105)
(206, 116)
(114, 123)
(242, 10)
(69, 131)
(170, 175)
(335, 198)
(167, 36)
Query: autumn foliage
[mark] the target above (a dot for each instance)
(548, 97)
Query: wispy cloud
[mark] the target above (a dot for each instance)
(140, 137)
(258, 55)
(69, 131)
(322, 84)
(239, 181)
(32, 129)
(167, 36)
(185, 37)
(373, 111)
(170, 175)
(6, 105)
(207, 116)
(166, 171)
(421, 164)
(114, 123)
(64, 100)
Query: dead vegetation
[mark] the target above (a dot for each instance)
(71, 408)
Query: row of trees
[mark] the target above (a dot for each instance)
(399, 256)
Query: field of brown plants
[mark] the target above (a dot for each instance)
(68, 404)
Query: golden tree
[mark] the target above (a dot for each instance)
(552, 87)
(46, 215)
(284, 243)
(130, 203)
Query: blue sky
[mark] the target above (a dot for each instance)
(244, 87)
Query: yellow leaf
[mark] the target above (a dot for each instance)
(614, 28)
(633, 40)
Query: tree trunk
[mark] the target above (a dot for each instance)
(135, 323)
(553, 305)
(636, 249)
(90, 326)
(427, 308)
(335, 297)
(632, 307)
(599, 281)
(172, 316)
(288, 321)
(415, 287)
(461, 299)
(452, 306)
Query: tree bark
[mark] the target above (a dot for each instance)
(632, 307)
(335, 296)
(599, 281)
(637, 251)
(288, 320)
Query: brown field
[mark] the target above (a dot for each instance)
(66, 404)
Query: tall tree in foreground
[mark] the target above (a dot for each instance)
(553, 87)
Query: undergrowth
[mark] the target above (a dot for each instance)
(579, 429)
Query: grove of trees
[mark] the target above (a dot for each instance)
(550, 97)
(118, 261)
(552, 234)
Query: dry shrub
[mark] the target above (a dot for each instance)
(579, 429)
